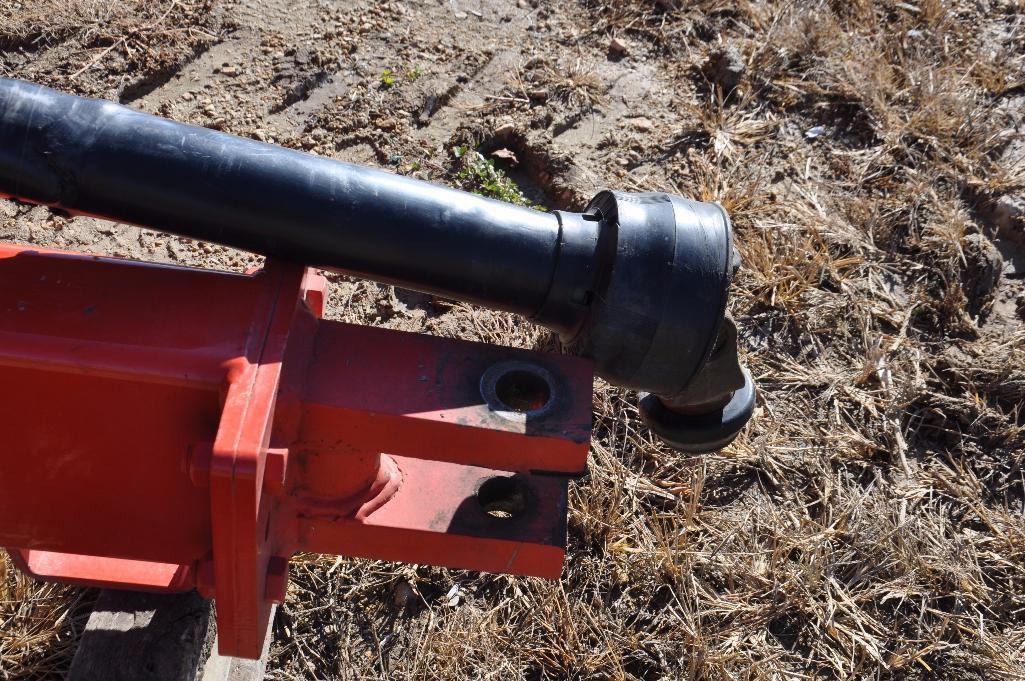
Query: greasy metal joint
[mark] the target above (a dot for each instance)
(503, 496)
(714, 407)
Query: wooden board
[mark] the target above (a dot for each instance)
(164, 637)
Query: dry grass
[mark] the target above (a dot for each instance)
(871, 521)
(112, 45)
(39, 625)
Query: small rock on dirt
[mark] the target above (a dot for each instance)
(504, 129)
(982, 269)
(642, 124)
(404, 594)
(618, 48)
(506, 155)
(1009, 215)
(724, 68)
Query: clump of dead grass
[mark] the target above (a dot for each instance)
(37, 24)
(573, 83)
(39, 624)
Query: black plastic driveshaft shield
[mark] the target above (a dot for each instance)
(637, 282)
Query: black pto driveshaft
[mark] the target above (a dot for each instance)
(637, 282)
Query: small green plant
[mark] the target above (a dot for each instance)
(391, 76)
(480, 176)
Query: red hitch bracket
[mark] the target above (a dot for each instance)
(171, 428)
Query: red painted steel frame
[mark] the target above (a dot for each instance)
(169, 428)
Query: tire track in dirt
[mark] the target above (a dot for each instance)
(140, 88)
(558, 157)
(238, 71)
(432, 106)
(226, 85)
(277, 15)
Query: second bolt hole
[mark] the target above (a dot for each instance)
(502, 497)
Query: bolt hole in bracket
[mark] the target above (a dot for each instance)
(519, 391)
(503, 497)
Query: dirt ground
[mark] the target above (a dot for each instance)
(869, 523)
